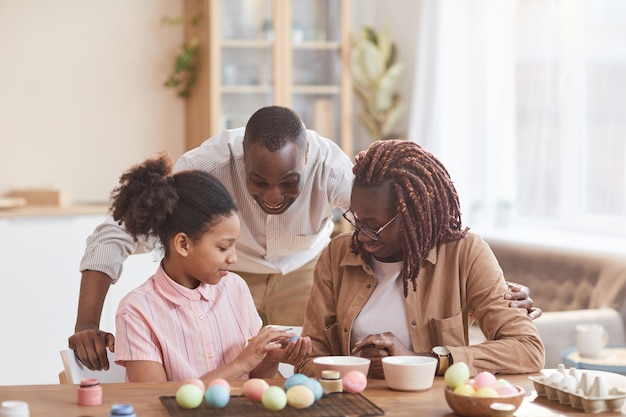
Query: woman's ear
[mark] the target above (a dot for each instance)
(181, 244)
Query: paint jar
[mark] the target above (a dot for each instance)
(122, 410)
(331, 381)
(89, 392)
(14, 409)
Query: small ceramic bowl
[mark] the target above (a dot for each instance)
(466, 406)
(409, 373)
(343, 364)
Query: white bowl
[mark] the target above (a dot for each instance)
(409, 373)
(343, 364)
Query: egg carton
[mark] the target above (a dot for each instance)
(576, 388)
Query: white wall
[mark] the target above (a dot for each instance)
(39, 285)
(81, 91)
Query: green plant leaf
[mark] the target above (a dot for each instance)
(393, 116)
(385, 45)
(358, 76)
(369, 34)
(391, 77)
(172, 21)
(383, 101)
(371, 62)
(195, 20)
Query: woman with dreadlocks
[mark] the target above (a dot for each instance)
(411, 279)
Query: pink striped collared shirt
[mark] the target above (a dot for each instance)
(189, 331)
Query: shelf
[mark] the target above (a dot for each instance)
(247, 43)
(317, 89)
(47, 211)
(246, 89)
(320, 45)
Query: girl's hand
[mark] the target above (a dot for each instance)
(293, 352)
(267, 340)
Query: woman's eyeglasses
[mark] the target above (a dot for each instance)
(370, 233)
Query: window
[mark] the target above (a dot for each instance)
(570, 135)
(524, 101)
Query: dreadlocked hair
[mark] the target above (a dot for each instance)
(151, 201)
(427, 199)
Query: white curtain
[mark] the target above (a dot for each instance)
(525, 102)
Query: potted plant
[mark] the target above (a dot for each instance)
(376, 73)
(184, 73)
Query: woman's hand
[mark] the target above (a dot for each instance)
(377, 346)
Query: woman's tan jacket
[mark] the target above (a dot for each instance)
(461, 281)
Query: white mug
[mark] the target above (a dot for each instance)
(591, 339)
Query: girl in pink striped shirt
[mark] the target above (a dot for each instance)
(193, 318)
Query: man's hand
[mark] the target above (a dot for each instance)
(90, 346)
(88, 341)
(520, 296)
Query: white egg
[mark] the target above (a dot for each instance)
(568, 384)
(554, 379)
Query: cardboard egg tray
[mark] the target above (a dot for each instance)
(583, 398)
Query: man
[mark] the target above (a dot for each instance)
(285, 180)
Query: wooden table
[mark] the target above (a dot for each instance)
(60, 400)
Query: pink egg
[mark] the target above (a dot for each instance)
(195, 381)
(472, 383)
(253, 389)
(220, 381)
(485, 380)
(354, 382)
(506, 390)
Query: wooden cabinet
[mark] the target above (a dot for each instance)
(254, 53)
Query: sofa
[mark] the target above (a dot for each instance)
(571, 287)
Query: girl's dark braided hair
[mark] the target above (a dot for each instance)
(427, 200)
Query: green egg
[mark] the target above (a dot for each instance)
(189, 396)
(274, 398)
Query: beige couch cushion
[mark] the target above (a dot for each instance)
(571, 287)
(565, 279)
